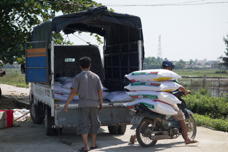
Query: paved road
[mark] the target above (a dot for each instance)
(31, 138)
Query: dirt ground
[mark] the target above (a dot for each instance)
(28, 137)
(11, 95)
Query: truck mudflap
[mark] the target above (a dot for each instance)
(111, 114)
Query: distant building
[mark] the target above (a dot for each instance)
(202, 64)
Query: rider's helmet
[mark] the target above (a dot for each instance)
(167, 65)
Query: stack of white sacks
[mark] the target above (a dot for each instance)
(62, 89)
(117, 96)
(152, 88)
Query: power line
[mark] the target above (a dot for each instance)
(194, 1)
(82, 39)
(190, 3)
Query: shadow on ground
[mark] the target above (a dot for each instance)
(10, 102)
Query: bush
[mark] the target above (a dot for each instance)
(215, 107)
(218, 124)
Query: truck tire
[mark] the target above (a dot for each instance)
(37, 112)
(117, 130)
(0, 93)
(49, 123)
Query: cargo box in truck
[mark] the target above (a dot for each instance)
(48, 64)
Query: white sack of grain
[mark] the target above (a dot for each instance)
(152, 75)
(163, 96)
(166, 86)
(63, 97)
(118, 96)
(155, 106)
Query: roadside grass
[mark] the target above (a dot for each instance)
(206, 121)
(14, 77)
(202, 72)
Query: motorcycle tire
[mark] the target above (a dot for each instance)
(191, 125)
(141, 132)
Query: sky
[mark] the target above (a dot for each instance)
(186, 32)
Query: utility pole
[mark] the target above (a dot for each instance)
(159, 47)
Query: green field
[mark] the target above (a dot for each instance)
(202, 72)
(14, 77)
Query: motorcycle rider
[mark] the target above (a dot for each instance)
(180, 116)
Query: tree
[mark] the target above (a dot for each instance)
(180, 64)
(152, 63)
(18, 17)
(225, 59)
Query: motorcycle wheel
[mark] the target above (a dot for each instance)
(144, 133)
(191, 125)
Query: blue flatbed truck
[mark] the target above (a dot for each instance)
(123, 52)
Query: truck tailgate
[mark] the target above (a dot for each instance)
(111, 114)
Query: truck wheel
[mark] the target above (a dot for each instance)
(37, 112)
(49, 123)
(0, 93)
(117, 130)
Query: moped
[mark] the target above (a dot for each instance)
(151, 126)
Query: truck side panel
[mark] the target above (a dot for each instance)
(42, 93)
(36, 65)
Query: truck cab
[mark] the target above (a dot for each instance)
(47, 62)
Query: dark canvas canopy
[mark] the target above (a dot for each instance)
(95, 20)
(123, 39)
